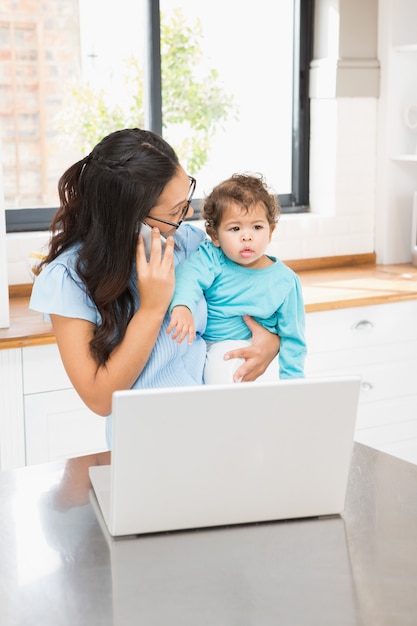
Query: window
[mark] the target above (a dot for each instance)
(20, 109)
(224, 92)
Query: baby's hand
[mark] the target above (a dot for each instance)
(182, 324)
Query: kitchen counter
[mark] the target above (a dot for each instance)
(60, 567)
(324, 288)
(337, 288)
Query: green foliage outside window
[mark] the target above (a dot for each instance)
(193, 105)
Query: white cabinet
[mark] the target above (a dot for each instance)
(43, 370)
(12, 432)
(378, 343)
(57, 423)
(42, 418)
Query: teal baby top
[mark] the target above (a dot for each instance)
(272, 296)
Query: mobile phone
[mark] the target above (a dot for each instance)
(146, 232)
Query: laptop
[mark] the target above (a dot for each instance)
(215, 455)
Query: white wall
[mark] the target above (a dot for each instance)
(4, 292)
(361, 200)
(344, 89)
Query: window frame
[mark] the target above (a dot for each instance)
(297, 201)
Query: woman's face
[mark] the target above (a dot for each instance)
(172, 204)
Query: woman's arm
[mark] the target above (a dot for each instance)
(264, 348)
(96, 385)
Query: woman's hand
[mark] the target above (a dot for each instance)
(264, 348)
(156, 277)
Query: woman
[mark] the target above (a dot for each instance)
(106, 300)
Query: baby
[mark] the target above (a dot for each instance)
(237, 278)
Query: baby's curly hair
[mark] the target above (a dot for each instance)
(243, 189)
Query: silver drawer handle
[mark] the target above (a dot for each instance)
(363, 325)
(366, 387)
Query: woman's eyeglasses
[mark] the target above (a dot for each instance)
(184, 210)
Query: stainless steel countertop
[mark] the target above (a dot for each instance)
(58, 567)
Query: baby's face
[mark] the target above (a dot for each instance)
(244, 235)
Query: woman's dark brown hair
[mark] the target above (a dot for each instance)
(103, 200)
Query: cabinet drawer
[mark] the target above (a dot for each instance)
(43, 369)
(388, 435)
(388, 412)
(327, 362)
(406, 449)
(361, 326)
(58, 425)
(389, 379)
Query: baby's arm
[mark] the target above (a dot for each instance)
(181, 324)
(291, 328)
(192, 277)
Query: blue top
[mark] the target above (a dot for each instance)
(272, 296)
(59, 290)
